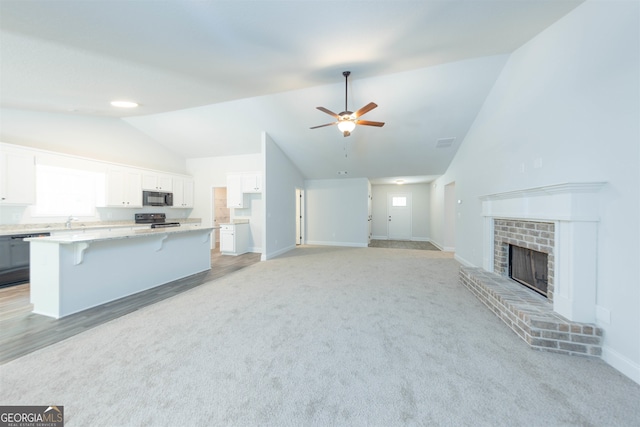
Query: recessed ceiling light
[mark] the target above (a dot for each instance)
(124, 104)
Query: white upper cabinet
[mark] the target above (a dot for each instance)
(124, 188)
(252, 182)
(17, 178)
(235, 198)
(157, 182)
(182, 193)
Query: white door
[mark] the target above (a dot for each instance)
(399, 216)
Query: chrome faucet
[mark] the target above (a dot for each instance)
(68, 223)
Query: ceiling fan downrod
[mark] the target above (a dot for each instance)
(346, 75)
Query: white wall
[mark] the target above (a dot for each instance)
(106, 138)
(282, 178)
(212, 172)
(337, 211)
(565, 109)
(420, 210)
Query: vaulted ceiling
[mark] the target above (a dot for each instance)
(212, 75)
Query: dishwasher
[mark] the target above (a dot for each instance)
(14, 258)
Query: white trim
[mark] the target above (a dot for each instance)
(379, 237)
(347, 244)
(279, 252)
(623, 364)
(573, 208)
(565, 188)
(463, 261)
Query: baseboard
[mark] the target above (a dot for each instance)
(463, 261)
(412, 239)
(347, 244)
(279, 252)
(621, 363)
(437, 245)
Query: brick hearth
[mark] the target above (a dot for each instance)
(531, 316)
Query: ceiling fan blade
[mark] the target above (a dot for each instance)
(370, 106)
(368, 123)
(329, 112)
(321, 126)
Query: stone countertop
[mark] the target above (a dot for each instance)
(236, 222)
(81, 226)
(118, 234)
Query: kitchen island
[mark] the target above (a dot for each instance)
(74, 272)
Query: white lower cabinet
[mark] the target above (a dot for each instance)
(234, 239)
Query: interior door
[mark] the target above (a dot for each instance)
(399, 216)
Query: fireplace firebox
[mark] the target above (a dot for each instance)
(529, 268)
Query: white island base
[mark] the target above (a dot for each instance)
(73, 273)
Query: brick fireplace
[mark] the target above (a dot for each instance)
(561, 222)
(537, 236)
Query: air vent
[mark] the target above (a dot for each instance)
(445, 142)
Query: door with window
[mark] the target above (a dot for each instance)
(399, 216)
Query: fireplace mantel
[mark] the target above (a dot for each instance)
(573, 208)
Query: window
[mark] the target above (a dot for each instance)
(64, 192)
(399, 201)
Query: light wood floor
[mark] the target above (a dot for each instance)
(22, 332)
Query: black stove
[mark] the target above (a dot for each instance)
(157, 220)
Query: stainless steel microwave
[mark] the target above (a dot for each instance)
(155, 198)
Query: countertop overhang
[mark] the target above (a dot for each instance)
(111, 235)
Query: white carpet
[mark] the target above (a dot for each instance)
(320, 336)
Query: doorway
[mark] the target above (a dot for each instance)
(399, 216)
(221, 213)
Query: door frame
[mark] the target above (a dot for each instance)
(300, 217)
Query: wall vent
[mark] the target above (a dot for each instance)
(445, 142)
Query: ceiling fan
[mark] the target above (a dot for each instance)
(347, 120)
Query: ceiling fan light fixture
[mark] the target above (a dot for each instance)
(346, 125)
